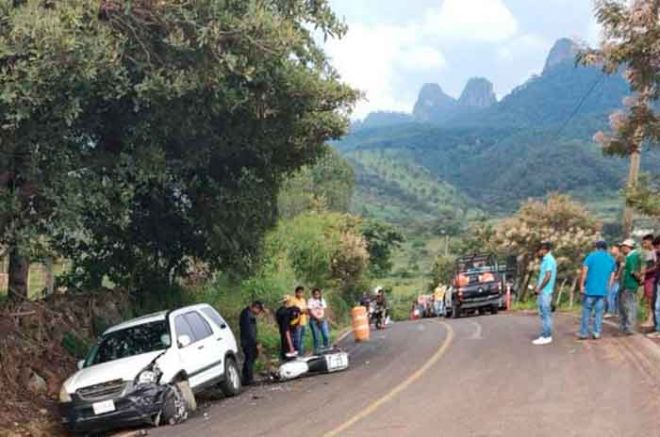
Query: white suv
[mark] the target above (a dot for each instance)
(136, 373)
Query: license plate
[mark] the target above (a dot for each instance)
(337, 362)
(103, 407)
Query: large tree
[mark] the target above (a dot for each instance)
(140, 135)
(631, 41)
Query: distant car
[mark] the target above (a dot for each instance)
(146, 370)
(477, 286)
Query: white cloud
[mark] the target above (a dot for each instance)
(374, 58)
(476, 20)
(525, 45)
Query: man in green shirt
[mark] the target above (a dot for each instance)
(630, 282)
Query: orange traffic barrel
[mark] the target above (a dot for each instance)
(360, 321)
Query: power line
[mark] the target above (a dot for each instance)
(579, 106)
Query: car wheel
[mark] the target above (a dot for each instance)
(455, 312)
(179, 402)
(494, 309)
(231, 385)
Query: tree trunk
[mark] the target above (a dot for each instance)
(572, 294)
(18, 275)
(560, 293)
(633, 174)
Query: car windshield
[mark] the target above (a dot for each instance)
(131, 341)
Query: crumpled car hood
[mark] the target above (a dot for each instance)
(125, 368)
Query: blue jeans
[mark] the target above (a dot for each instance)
(592, 304)
(299, 339)
(320, 331)
(544, 302)
(613, 299)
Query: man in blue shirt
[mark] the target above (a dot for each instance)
(544, 288)
(596, 279)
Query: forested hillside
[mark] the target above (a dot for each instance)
(392, 186)
(536, 140)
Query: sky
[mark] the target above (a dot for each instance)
(393, 47)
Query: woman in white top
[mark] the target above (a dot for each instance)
(316, 307)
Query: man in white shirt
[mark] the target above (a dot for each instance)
(316, 307)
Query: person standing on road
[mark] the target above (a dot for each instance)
(656, 296)
(630, 282)
(544, 289)
(648, 276)
(613, 295)
(596, 279)
(299, 334)
(318, 323)
(248, 326)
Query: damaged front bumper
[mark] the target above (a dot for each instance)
(141, 404)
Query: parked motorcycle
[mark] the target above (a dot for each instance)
(377, 315)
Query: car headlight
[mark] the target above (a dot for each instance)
(64, 395)
(147, 377)
(150, 375)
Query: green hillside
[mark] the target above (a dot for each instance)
(393, 186)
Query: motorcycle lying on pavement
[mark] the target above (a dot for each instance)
(326, 361)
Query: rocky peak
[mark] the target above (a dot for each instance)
(432, 103)
(478, 93)
(564, 50)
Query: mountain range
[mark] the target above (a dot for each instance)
(493, 154)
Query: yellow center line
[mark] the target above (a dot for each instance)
(369, 409)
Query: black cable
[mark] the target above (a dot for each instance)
(578, 107)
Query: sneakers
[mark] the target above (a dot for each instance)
(542, 340)
(596, 336)
(582, 337)
(655, 334)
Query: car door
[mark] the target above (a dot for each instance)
(213, 365)
(199, 358)
(223, 334)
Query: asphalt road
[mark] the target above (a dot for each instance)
(476, 376)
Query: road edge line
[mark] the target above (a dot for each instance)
(369, 409)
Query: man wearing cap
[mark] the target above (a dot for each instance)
(248, 326)
(596, 279)
(544, 288)
(630, 282)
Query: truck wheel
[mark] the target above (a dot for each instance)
(231, 385)
(494, 309)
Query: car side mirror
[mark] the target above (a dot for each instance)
(184, 341)
(80, 364)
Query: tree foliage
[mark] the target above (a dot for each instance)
(382, 238)
(325, 186)
(566, 223)
(140, 135)
(324, 250)
(631, 42)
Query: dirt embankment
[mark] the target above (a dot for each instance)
(40, 342)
